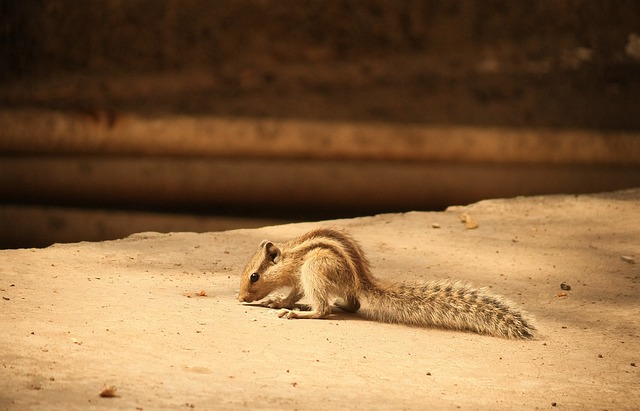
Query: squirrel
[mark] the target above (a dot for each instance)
(327, 265)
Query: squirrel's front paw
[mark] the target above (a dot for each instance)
(288, 314)
(274, 301)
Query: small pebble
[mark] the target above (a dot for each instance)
(109, 391)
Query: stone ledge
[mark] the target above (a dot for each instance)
(130, 313)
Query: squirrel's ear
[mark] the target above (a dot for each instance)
(270, 249)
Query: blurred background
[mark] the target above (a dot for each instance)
(193, 115)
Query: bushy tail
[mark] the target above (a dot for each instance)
(446, 304)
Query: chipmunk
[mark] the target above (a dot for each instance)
(327, 264)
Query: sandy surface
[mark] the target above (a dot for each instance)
(127, 313)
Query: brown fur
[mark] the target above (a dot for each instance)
(327, 265)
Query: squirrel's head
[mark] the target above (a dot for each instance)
(259, 277)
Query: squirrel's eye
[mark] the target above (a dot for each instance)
(254, 277)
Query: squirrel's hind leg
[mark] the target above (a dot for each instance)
(349, 304)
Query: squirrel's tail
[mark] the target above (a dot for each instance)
(446, 304)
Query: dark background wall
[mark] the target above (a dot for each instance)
(526, 63)
(549, 74)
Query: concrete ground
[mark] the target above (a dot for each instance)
(156, 316)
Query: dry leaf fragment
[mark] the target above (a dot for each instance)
(109, 391)
(468, 221)
(628, 259)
